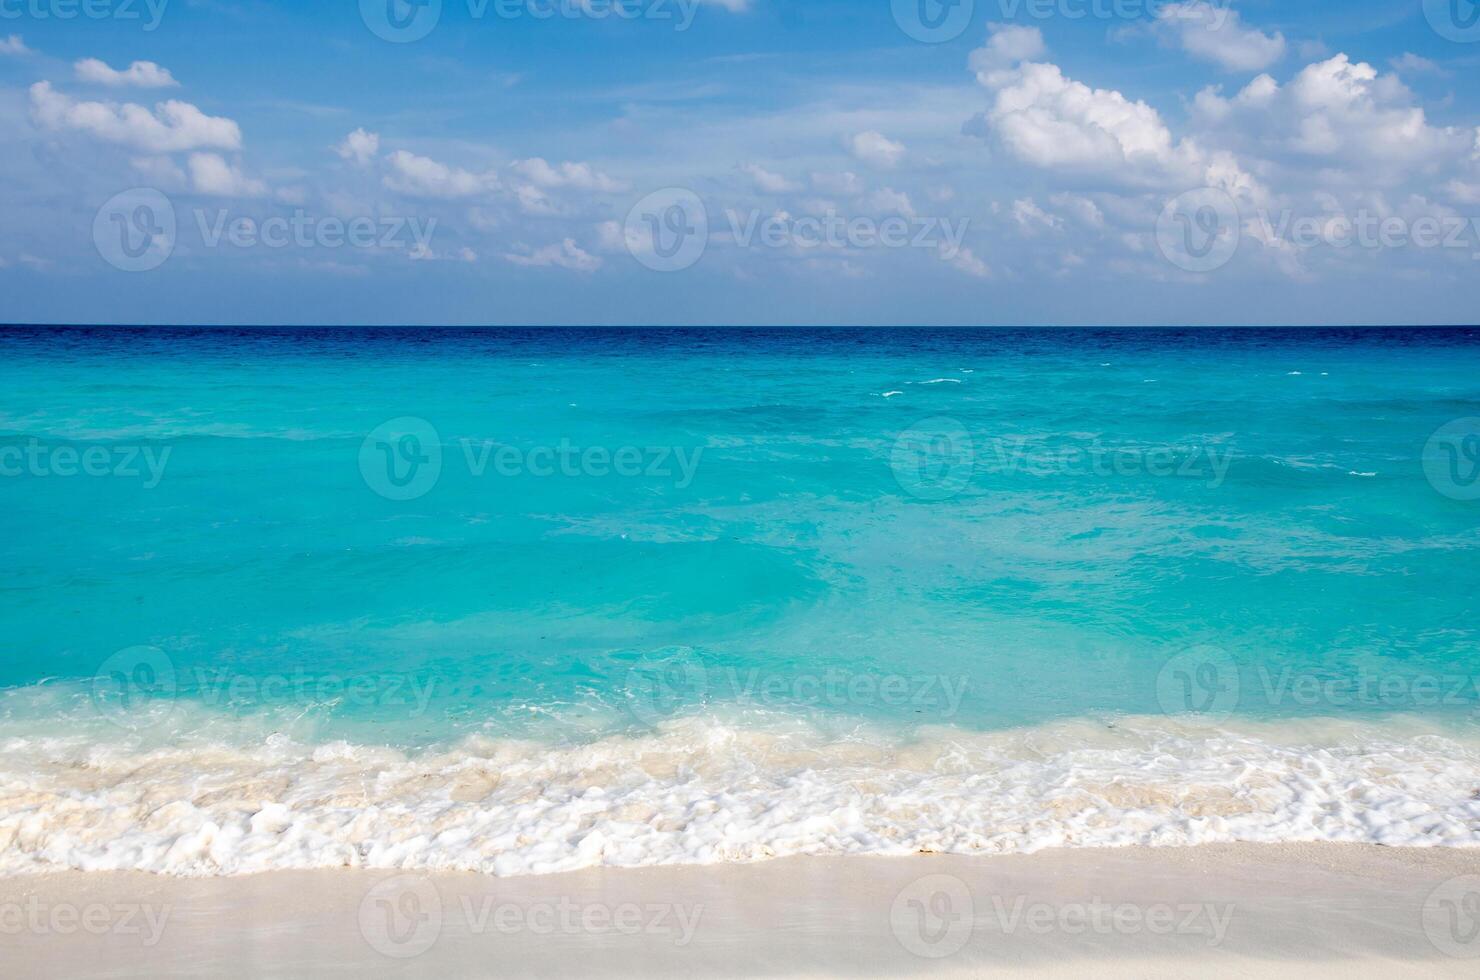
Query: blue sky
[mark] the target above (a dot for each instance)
(739, 161)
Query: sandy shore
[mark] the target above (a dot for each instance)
(1226, 910)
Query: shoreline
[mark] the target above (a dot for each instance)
(1225, 909)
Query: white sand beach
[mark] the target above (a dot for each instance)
(1240, 910)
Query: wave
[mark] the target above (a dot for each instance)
(706, 790)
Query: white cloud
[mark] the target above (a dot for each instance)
(566, 255)
(1081, 208)
(1416, 64)
(171, 127)
(581, 176)
(13, 45)
(210, 174)
(767, 182)
(876, 149)
(1033, 219)
(965, 260)
(1007, 44)
(140, 74)
(359, 147)
(1216, 34)
(417, 176)
(1053, 122)
(1337, 109)
(161, 172)
(843, 184)
(888, 200)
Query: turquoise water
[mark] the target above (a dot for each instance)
(398, 541)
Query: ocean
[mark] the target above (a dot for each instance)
(522, 601)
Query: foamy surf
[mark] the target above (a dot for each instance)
(703, 790)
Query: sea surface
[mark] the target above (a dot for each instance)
(521, 601)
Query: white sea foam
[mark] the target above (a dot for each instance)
(705, 790)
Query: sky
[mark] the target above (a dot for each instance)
(909, 162)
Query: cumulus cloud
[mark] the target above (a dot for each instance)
(566, 255)
(875, 149)
(13, 45)
(964, 260)
(581, 176)
(418, 176)
(1050, 121)
(1033, 219)
(1217, 34)
(359, 147)
(1338, 109)
(886, 200)
(171, 127)
(767, 182)
(211, 174)
(1416, 64)
(1007, 45)
(843, 184)
(140, 74)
